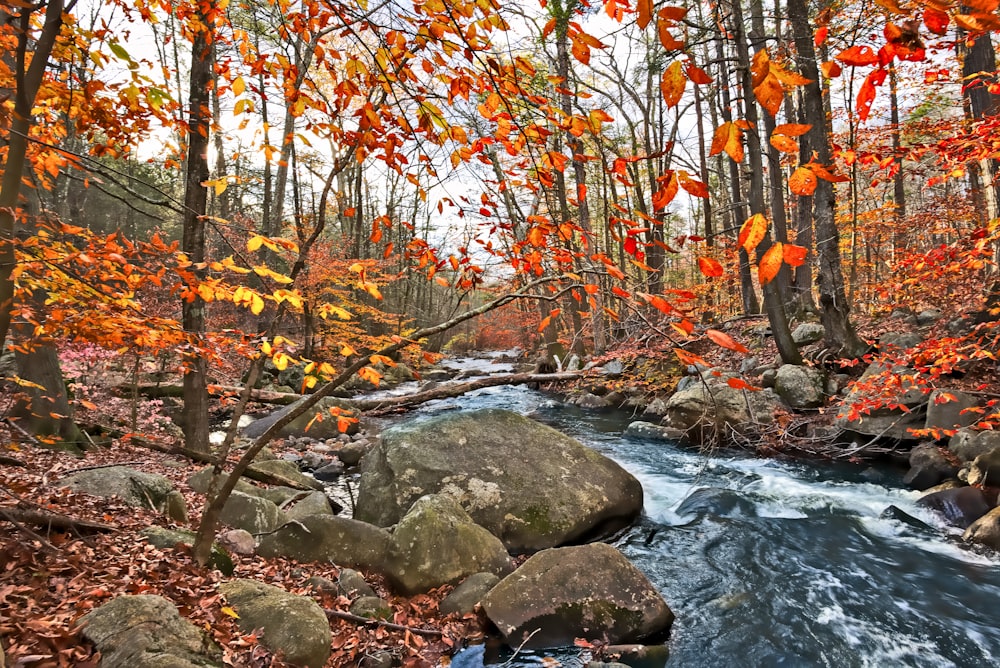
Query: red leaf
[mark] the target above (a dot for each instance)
(740, 384)
(710, 267)
(690, 358)
(858, 56)
(697, 75)
(936, 20)
(725, 341)
(820, 35)
(794, 256)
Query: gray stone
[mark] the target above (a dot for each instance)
(800, 386)
(808, 332)
(639, 656)
(656, 408)
(708, 409)
(294, 626)
(900, 340)
(372, 607)
(201, 479)
(928, 467)
(289, 471)
(307, 424)
(640, 429)
(137, 631)
(768, 377)
(143, 490)
(985, 530)
(329, 538)
(437, 543)
(929, 316)
(278, 495)
(885, 420)
(613, 369)
(466, 596)
(314, 503)
(967, 444)
(331, 471)
(378, 659)
(590, 591)
(960, 506)
(251, 513)
(353, 584)
(947, 409)
(593, 402)
(237, 541)
(351, 453)
(985, 469)
(528, 484)
(168, 539)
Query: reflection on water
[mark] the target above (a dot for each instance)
(769, 563)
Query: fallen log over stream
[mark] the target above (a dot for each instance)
(444, 391)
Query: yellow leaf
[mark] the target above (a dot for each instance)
(255, 242)
(229, 612)
(239, 86)
(281, 361)
(256, 304)
(347, 351)
(752, 232)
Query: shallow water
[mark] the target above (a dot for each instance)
(773, 563)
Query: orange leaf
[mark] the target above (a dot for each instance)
(669, 42)
(936, 20)
(697, 75)
(770, 94)
(792, 129)
(544, 323)
(710, 267)
(794, 256)
(784, 143)
(690, 358)
(729, 138)
(740, 384)
(752, 232)
(696, 188)
(770, 264)
(724, 340)
(831, 69)
(820, 36)
(660, 304)
(858, 56)
(644, 13)
(866, 96)
(666, 194)
(619, 292)
(802, 182)
(672, 84)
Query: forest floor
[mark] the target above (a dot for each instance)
(49, 578)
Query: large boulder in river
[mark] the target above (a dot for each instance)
(146, 630)
(960, 506)
(967, 444)
(985, 530)
(985, 469)
(928, 467)
(589, 591)
(144, 490)
(437, 543)
(886, 402)
(527, 483)
(294, 626)
(800, 386)
(707, 407)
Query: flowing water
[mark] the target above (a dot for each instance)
(769, 563)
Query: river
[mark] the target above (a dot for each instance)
(781, 563)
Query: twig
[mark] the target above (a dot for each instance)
(11, 461)
(41, 539)
(519, 648)
(20, 429)
(347, 616)
(100, 466)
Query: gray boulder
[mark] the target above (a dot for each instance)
(168, 539)
(960, 506)
(528, 484)
(985, 469)
(947, 409)
(437, 543)
(466, 596)
(808, 332)
(349, 583)
(295, 627)
(967, 444)
(289, 471)
(143, 490)
(308, 424)
(589, 591)
(928, 467)
(133, 631)
(656, 408)
(710, 408)
(901, 340)
(371, 607)
(800, 386)
(313, 503)
(201, 479)
(884, 420)
(251, 513)
(640, 429)
(330, 538)
(985, 530)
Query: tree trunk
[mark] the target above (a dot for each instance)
(834, 307)
(195, 413)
